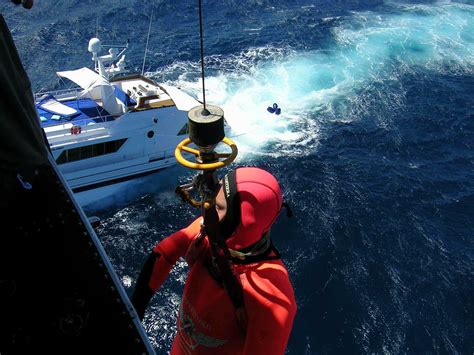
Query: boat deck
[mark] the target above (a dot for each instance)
(144, 91)
(132, 93)
(87, 111)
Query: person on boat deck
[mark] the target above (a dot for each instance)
(209, 321)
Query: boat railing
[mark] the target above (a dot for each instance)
(71, 129)
(71, 134)
(91, 122)
(64, 92)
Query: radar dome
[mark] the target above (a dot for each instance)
(94, 45)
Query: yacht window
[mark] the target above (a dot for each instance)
(99, 149)
(74, 154)
(110, 147)
(89, 151)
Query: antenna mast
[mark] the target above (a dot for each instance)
(147, 38)
(97, 26)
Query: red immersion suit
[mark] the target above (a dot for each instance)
(207, 322)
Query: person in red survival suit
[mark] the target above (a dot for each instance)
(248, 203)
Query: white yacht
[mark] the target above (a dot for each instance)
(111, 128)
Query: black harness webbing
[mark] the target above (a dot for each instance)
(222, 259)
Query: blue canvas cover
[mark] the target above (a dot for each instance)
(88, 111)
(123, 97)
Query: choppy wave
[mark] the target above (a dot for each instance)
(369, 55)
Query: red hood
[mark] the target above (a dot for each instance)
(260, 203)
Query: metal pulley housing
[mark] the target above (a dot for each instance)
(206, 130)
(206, 126)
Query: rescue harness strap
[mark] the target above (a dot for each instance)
(222, 259)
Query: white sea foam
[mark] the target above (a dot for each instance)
(370, 50)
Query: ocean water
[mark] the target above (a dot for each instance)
(374, 150)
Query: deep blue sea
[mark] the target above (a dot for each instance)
(374, 150)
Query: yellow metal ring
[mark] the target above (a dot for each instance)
(207, 166)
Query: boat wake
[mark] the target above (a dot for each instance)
(363, 67)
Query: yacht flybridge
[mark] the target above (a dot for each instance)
(111, 128)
